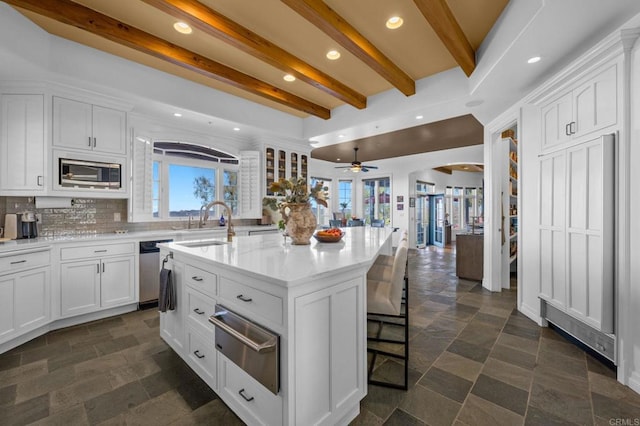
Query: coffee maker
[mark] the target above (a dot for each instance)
(29, 225)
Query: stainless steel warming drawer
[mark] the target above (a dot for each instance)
(251, 347)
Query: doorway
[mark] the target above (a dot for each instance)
(423, 234)
(437, 218)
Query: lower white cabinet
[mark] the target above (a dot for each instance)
(97, 282)
(24, 294)
(172, 322)
(246, 396)
(202, 355)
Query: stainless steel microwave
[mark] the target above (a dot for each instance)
(85, 174)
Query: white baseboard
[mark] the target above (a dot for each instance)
(634, 381)
(532, 314)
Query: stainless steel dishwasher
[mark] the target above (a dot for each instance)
(149, 273)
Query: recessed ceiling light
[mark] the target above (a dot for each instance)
(533, 60)
(333, 55)
(236, 129)
(289, 78)
(337, 159)
(177, 114)
(394, 22)
(341, 136)
(182, 28)
(419, 117)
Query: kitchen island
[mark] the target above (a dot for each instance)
(312, 297)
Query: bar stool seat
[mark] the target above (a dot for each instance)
(387, 298)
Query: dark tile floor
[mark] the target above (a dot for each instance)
(474, 361)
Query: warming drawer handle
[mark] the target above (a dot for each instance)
(268, 346)
(197, 278)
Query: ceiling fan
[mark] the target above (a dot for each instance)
(356, 166)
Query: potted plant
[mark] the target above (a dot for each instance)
(292, 199)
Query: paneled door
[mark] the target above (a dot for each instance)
(576, 231)
(422, 221)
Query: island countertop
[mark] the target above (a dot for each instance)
(270, 258)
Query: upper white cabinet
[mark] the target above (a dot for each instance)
(22, 145)
(282, 164)
(589, 107)
(83, 126)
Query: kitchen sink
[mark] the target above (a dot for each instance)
(205, 243)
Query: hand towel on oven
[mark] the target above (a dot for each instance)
(167, 295)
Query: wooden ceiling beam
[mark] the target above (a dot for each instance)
(214, 24)
(441, 19)
(331, 23)
(71, 13)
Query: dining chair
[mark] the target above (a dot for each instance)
(355, 222)
(377, 223)
(388, 305)
(335, 223)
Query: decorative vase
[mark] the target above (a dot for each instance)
(300, 222)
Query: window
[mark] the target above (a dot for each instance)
(230, 190)
(188, 176)
(190, 188)
(425, 187)
(344, 196)
(377, 199)
(322, 215)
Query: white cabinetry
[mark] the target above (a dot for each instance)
(96, 277)
(172, 322)
(24, 292)
(22, 144)
(82, 126)
(590, 106)
(576, 231)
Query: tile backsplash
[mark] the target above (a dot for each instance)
(88, 216)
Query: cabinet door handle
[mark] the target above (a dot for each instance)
(89, 141)
(566, 129)
(102, 266)
(197, 278)
(198, 354)
(94, 142)
(198, 311)
(97, 268)
(572, 127)
(19, 261)
(244, 298)
(248, 399)
(40, 181)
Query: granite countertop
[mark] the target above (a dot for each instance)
(192, 234)
(269, 258)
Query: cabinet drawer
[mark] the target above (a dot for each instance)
(18, 261)
(202, 356)
(254, 403)
(81, 252)
(256, 301)
(201, 280)
(200, 308)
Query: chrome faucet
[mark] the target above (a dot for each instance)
(205, 216)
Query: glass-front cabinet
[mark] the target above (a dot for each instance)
(282, 164)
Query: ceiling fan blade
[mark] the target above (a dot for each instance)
(370, 167)
(364, 169)
(343, 167)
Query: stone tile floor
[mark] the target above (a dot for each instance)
(474, 360)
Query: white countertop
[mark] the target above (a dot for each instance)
(268, 257)
(184, 234)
